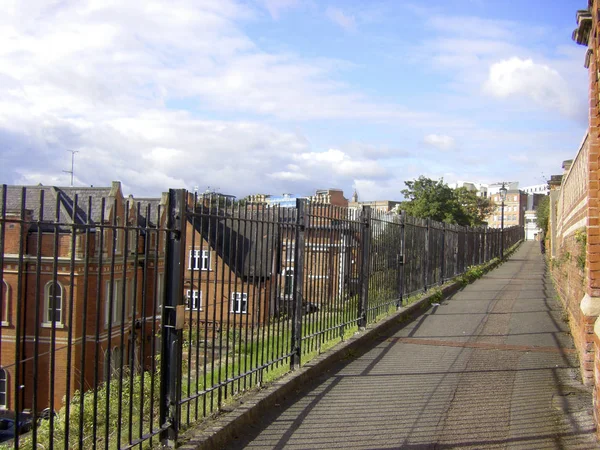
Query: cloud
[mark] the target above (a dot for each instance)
(338, 17)
(131, 85)
(473, 27)
(516, 77)
(276, 7)
(441, 142)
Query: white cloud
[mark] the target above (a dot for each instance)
(341, 19)
(472, 27)
(289, 176)
(339, 164)
(115, 80)
(439, 141)
(516, 77)
(276, 7)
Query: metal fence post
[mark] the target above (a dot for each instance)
(298, 294)
(365, 266)
(427, 254)
(443, 262)
(402, 257)
(173, 313)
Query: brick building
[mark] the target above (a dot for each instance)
(515, 206)
(80, 268)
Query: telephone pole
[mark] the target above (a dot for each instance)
(72, 164)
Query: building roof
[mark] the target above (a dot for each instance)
(50, 204)
(244, 240)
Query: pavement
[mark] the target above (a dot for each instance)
(491, 367)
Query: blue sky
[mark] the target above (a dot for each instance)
(277, 96)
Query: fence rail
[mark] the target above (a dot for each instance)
(125, 320)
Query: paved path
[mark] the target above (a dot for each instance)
(492, 367)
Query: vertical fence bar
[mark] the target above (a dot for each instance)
(402, 257)
(365, 266)
(426, 261)
(443, 253)
(171, 327)
(298, 294)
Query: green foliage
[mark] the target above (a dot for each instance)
(477, 208)
(427, 198)
(436, 295)
(581, 239)
(543, 214)
(133, 392)
(473, 273)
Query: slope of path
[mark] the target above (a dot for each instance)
(492, 367)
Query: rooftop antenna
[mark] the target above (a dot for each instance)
(72, 164)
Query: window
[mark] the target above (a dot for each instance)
(118, 238)
(289, 252)
(132, 241)
(3, 385)
(4, 304)
(194, 299)
(288, 287)
(160, 291)
(117, 303)
(239, 303)
(53, 298)
(199, 260)
(130, 298)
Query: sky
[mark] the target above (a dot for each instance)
(288, 96)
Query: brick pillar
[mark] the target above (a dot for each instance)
(591, 301)
(590, 304)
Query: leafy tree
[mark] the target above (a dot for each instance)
(543, 213)
(477, 208)
(427, 198)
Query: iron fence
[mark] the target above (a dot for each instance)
(124, 321)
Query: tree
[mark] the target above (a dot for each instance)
(477, 208)
(427, 198)
(543, 213)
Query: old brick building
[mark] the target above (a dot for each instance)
(80, 268)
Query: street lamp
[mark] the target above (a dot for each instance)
(503, 192)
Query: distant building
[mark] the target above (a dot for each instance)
(480, 188)
(542, 189)
(515, 206)
(378, 205)
(333, 197)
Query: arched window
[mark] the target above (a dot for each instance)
(4, 303)
(3, 388)
(53, 303)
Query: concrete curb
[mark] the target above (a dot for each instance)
(217, 432)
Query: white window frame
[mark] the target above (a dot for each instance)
(117, 303)
(5, 392)
(201, 260)
(119, 238)
(239, 299)
(193, 297)
(160, 290)
(5, 319)
(45, 319)
(132, 241)
(129, 297)
(290, 250)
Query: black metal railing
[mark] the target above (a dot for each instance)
(125, 320)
